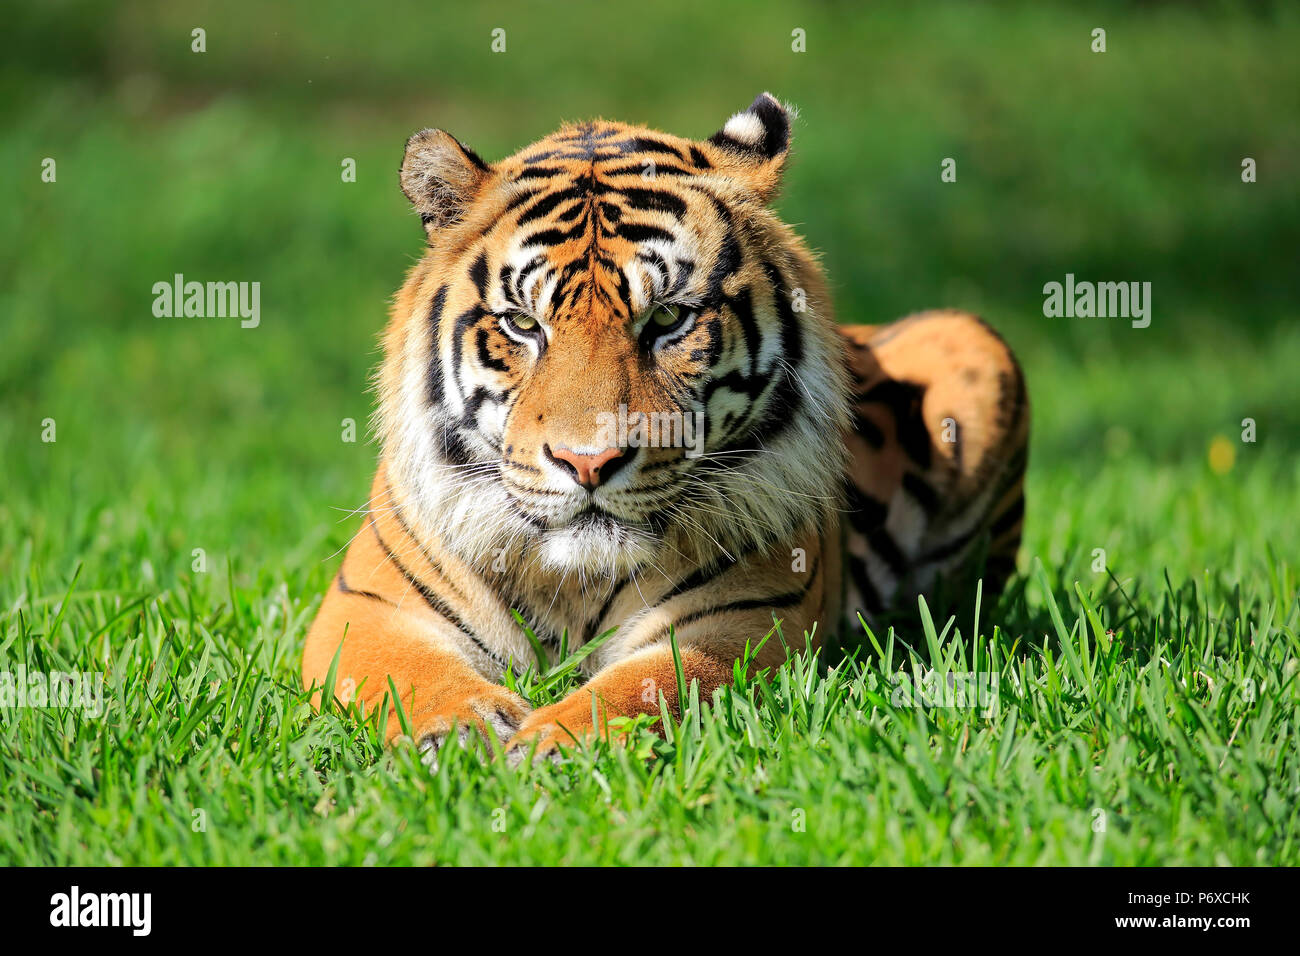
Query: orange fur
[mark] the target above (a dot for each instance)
(838, 469)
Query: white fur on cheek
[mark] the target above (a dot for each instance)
(461, 507)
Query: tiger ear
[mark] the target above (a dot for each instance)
(440, 177)
(755, 143)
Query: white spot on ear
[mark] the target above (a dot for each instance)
(745, 128)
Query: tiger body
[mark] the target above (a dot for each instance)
(607, 277)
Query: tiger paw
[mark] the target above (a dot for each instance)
(490, 711)
(547, 742)
(566, 724)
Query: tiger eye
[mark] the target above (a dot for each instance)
(525, 323)
(664, 317)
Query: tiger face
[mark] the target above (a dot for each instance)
(612, 351)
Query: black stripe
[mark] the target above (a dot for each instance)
(459, 328)
(478, 274)
(436, 603)
(517, 509)
(685, 269)
(547, 203)
(343, 587)
(453, 446)
(903, 399)
(791, 330)
(871, 599)
(552, 237)
(660, 169)
(524, 275)
(651, 257)
(472, 156)
(699, 578)
(484, 356)
(726, 265)
(622, 287)
(780, 411)
(518, 201)
(639, 232)
(577, 210)
(865, 512)
(644, 144)
(396, 511)
(921, 492)
(867, 430)
(776, 125)
(539, 172)
(595, 622)
(435, 349)
(742, 306)
(724, 141)
(654, 199)
(472, 405)
(778, 405)
(775, 602)
(867, 516)
(886, 548)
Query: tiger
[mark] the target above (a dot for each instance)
(805, 473)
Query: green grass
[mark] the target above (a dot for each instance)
(1152, 725)
(1159, 696)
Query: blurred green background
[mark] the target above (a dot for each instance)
(225, 165)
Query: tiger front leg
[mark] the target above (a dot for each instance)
(442, 696)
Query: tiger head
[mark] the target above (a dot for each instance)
(612, 350)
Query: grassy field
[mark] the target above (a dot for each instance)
(176, 535)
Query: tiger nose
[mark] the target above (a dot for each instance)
(589, 470)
